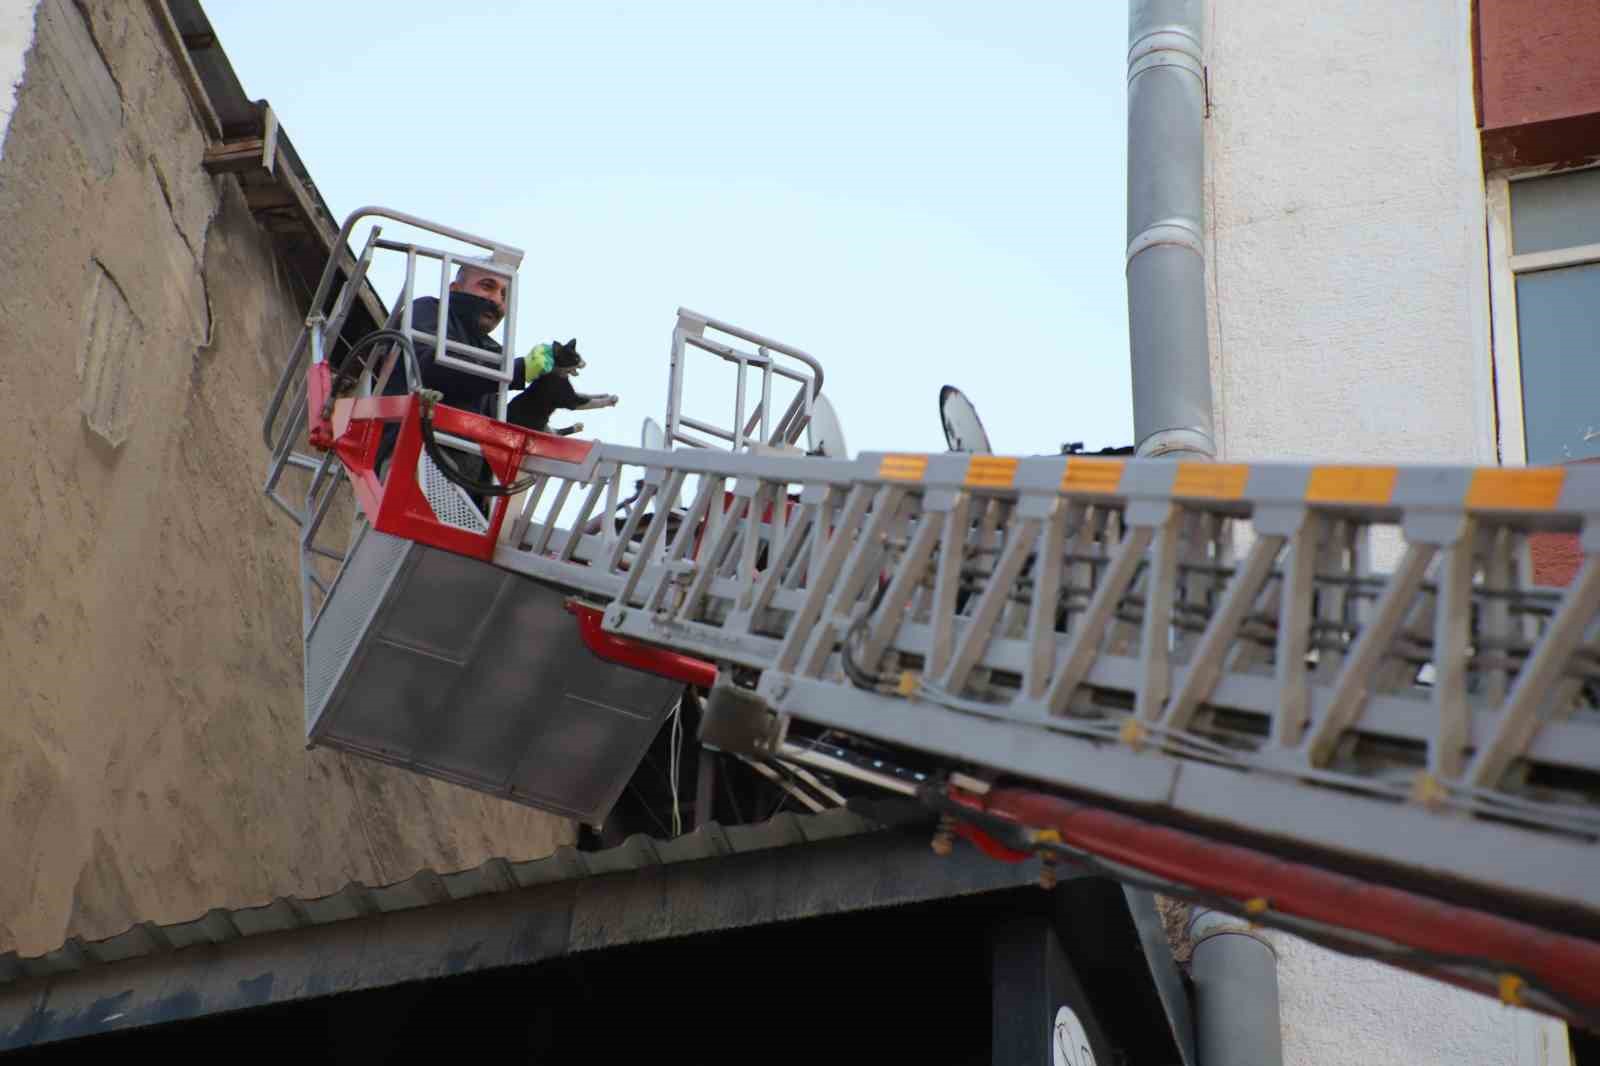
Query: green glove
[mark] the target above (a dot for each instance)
(539, 362)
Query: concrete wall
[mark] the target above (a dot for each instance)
(152, 761)
(1346, 228)
(1349, 321)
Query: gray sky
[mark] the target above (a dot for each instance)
(918, 193)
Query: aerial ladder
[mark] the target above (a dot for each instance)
(1329, 698)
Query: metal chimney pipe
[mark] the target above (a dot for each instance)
(1235, 974)
(1170, 358)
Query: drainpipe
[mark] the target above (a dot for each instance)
(1235, 974)
(1166, 258)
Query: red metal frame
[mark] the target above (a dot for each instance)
(1568, 964)
(319, 384)
(396, 505)
(988, 844)
(637, 656)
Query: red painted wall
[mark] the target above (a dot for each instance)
(1538, 66)
(1556, 556)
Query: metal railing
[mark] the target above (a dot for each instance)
(284, 423)
(282, 427)
(753, 416)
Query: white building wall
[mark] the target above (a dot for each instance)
(1337, 1009)
(1346, 226)
(16, 37)
(1350, 321)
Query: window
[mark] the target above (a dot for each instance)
(1545, 237)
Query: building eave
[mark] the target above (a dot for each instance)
(496, 915)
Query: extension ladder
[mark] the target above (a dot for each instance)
(1348, 664)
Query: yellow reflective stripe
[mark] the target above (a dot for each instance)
(1214, 481)
(1536, 488)
(990, 472)
(1092, 475)
(1351, 484)
(903, 467)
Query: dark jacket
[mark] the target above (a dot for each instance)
(462, 390)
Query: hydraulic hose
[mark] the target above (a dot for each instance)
(350, 371)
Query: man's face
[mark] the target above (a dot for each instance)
(491, 287)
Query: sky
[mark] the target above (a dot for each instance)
(916, 193)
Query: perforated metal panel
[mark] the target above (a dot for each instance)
(450, 503)
(456, 669)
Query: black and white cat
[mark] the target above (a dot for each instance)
(553, 392)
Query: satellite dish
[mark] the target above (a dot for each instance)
(823, 435)
(963, 430)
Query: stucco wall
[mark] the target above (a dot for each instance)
(152, 761)
(1337, 1009)
(1346, 224)
(1349, 322)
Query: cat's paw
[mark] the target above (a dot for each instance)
(591, 403)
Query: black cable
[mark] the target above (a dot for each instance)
(350, 371)
(449, 469)
(858, 677)
(351, 367)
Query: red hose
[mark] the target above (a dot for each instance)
(1566, 964)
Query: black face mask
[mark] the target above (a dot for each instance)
(469, 309)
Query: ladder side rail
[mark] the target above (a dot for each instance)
(284, 456)
(333, 325)
(318, 499)
(292, 373)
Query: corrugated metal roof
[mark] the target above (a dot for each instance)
(426, 887)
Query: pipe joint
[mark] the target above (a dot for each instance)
(1183, 232)
(1177, 444)
(1166, 46)
(1205, 924)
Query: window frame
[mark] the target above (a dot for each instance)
(1510, 427)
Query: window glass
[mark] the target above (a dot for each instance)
(1558, 326)
(1560, 211)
